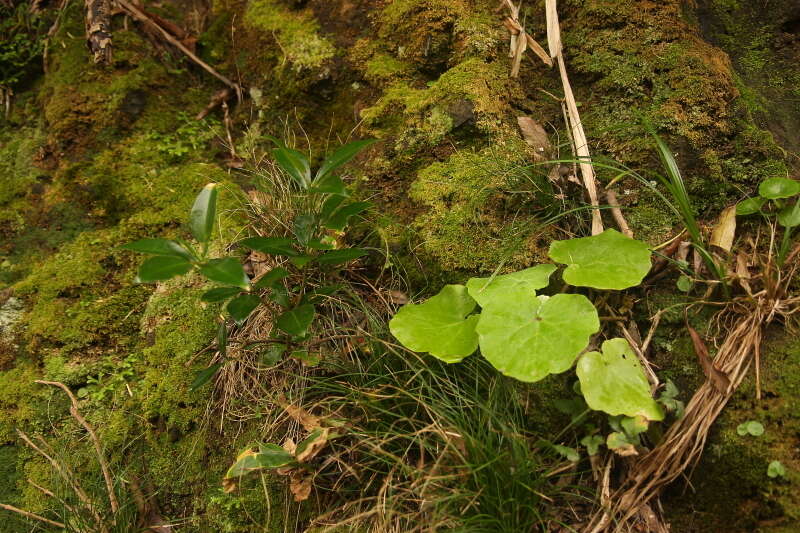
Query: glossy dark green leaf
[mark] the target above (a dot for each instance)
(295, 164)
(241, 307)
(273, 354)
(279, 295)
(341, 156)
(222, 338)
(296, 321)
(204, 211)
(159, 247)
(338, 257)
(204, 376)
(330, 184)
(304, 227)
(319, 294)
(270, 278)
(220, 294)
(161, 268)
(270, 245)
(227, 270)
(301, 260)
(338, 220)
(329, 207)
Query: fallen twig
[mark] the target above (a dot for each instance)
(616, 212)
(31, 515)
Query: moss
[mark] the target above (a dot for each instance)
(473, 220)
(296, 32)
(637, 61)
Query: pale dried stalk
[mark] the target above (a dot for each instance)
(112, 497)
(616, 212)
(31, 515)
(575, 125)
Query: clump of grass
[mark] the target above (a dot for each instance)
(433, 446)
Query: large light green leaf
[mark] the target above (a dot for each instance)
(609, 260)
(613, 381)
(341, 156)
(774, 188)
(527, 281)
(201, 218)
(438, 326)
(528, 337)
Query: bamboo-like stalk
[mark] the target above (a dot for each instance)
(575, 125)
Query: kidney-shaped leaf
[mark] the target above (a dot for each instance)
(774, 188)
(789, 216)
(613, 381)
(529, 337)
(438, 326)
(609, 260)
(527, 281)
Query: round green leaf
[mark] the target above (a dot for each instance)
(161, 268)
(684, 283)
(789, 216)
(749, 206)
(613, 381)
(776, 469)
(751, 427)
(527, 281)
(201, 218)
(227, 270)
(438, 326)
(241, 307)
(774, 188)
(609, 260)
(297, 320)
(528, 337)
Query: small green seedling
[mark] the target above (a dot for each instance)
(776, 469)
(751, 427)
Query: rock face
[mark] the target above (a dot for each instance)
(95, 156)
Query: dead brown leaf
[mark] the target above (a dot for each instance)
(300, 415)
(300, 485)
(536, 137)
(725, 229)
(312, 445)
